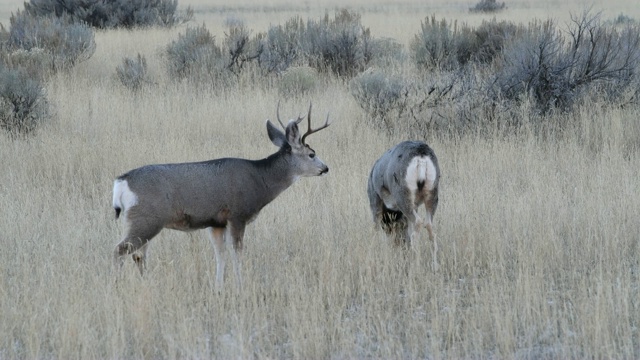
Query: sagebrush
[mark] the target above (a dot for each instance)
(66, 42)
(23, 104)
(112, 14)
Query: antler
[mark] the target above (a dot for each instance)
(278, 116)
(310, 130)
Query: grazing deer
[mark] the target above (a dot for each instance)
(402, 179)
(221, 195)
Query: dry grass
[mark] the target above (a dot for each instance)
(538, 236)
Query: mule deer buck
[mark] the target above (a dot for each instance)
(221, 195)
(401, 180)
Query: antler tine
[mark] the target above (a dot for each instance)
(278, 115)
(308, 120)
(310, 130)
(300, 118)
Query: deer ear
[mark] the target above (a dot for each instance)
(275, 135)
(293, 134)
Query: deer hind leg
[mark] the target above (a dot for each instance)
(219, 248)
(410, 216)
(138, 233)
(412, 229)
(432, 237)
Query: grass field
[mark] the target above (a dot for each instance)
(538, 235)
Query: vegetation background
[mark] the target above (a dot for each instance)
(538, 230)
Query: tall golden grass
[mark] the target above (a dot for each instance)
(538, 234)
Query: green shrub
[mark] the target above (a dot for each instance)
(112, 13)
(67, 43)
(133, 72)
(23, 105)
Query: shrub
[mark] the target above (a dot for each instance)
(445, 46)
(487, 6)
(556, 70)
(340, 45)
(241, 49)
(195, 54)
(623, 19)
(383, 97)
(113, 13)
(280, 46)
(4, 37)
(133, 72)
(387, 53)
(484, 43)
(446, 101)
(23, 105)
(298, 81)
(435, 46)
(36, 62)
(67, 43)
(414, 107)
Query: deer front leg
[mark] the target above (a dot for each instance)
(237, 234)
(140, 258)
(217, 240)
(140, 230)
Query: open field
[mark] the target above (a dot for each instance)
(539, 238)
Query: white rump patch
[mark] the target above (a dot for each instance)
(123, 197)
(421, 168)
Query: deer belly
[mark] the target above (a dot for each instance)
(187, 222)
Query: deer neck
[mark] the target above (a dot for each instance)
(277, 174)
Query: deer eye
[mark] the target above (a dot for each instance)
(312, 155)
